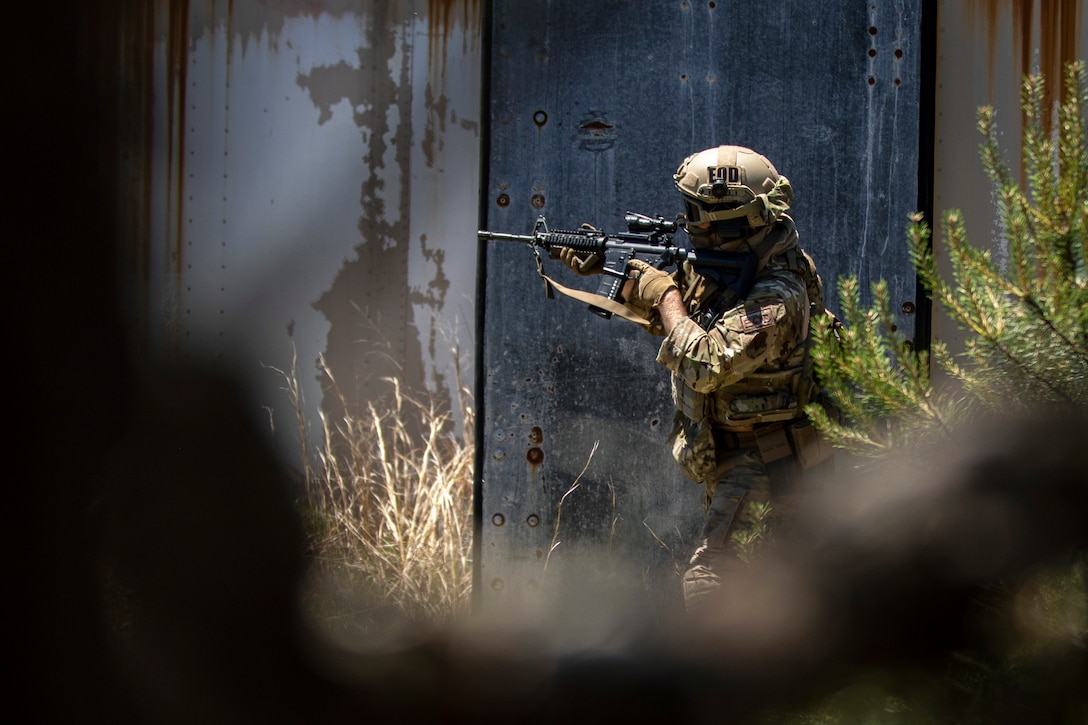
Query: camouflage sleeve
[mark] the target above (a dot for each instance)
(768, 326)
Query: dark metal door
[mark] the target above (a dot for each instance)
(592, 107)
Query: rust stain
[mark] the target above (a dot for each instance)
(229, 62)
(1059, 26)
(177, 57)
(126, 53)
(594, 126)
(442, 17)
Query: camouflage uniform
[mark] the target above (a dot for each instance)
(741, 371)
(737, 386)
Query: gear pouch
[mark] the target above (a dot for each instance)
(693, 447)
(811, 448)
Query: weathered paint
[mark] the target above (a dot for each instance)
(310, 182)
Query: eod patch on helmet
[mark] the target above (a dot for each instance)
(722, 177)
(728, 183)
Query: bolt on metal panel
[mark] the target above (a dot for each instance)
(592, 108)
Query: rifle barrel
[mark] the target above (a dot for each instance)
(503, 237)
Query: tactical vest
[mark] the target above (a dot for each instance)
(773, 393)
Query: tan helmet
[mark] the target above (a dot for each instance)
(734, 188)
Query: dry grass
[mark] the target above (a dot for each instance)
(389, 512)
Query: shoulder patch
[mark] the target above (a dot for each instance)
(757, 318)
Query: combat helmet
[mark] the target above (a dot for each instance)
(730, 193)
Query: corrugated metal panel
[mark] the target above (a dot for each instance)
(593, 105)
(313, 183)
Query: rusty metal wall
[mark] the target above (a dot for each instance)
(985, 48)
(592, 107)
(308, 182)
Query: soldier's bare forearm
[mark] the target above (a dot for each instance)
(672, 310)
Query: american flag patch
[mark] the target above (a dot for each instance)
(757, 318)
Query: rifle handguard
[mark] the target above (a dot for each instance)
(583, 265)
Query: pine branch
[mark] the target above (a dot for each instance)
(1026, 322)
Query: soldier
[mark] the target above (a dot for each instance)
(741, 373)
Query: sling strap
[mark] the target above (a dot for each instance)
(590, 298)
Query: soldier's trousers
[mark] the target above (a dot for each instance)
(741, 481)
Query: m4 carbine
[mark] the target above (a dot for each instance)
(649, 239)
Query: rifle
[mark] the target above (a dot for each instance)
(649, 239)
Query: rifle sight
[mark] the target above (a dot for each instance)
(640, 223)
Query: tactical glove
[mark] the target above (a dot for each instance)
(581, 266)
(647, 288)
